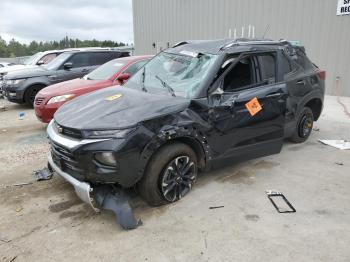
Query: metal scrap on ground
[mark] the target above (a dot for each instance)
(276, 194)
(43, 174)
(340, 144)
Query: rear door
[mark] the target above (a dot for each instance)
(249, 121)
(80, 67)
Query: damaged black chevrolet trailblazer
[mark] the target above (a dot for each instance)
(191, 106)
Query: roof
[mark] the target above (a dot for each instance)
(226, 45)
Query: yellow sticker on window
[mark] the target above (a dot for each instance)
(114, 97)
(253, 106)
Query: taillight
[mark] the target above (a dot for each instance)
(322, 74)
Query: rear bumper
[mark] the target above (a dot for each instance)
(82, 189)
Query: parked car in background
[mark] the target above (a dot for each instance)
(114, 72)
(22, 86)
(193, 106)
(6, 64)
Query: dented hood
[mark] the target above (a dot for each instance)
(112, 108)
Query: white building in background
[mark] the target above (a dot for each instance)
(322, 26)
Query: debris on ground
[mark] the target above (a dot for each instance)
(4, 239)
(215, 207)
(340, 144)
(279, 196)
(3, 108)
(21, 115)
(43, 174)
(116, 200)
(19, 209)
(339, 163)
(22, 184)
(316, 129)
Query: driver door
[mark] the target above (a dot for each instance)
(248, 112)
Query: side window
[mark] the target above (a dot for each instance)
(285, 65)
(100, 58)
(240, 76)
(47, 58)
(267, 68)
(135, 67)
(79, 60)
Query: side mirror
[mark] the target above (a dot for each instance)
(123, 77)
(40, 62)
(68, 65)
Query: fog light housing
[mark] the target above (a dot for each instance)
(106, 158)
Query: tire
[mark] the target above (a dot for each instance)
(30, 94)
(161, 184)
(304, 126)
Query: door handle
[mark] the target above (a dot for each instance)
(85, 70)
(272, 95)
(301, 82)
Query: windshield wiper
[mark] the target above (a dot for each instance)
(164, 84)
(143, 76)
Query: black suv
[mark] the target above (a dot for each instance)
(22, 86)
(190, 107)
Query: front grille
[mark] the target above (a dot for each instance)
(65, 159)
(38, 101)
(70, 132)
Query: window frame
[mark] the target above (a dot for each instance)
(218, 83)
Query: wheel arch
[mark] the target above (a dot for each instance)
(41, 85)
(316, 105)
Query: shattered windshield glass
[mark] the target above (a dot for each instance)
(178, 74)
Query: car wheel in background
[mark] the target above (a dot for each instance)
(304, 126)
(30, 94)
(170, 175)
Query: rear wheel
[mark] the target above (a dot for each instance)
(30, 94)
(170, 175)
(304, 126)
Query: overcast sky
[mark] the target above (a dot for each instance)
(51, 19)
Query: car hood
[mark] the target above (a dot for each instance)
(12, 68)
(112, 108)
(27, 72)
(76, 86)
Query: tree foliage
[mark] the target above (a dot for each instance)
(14, 48)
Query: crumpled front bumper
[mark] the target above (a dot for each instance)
(82, 189)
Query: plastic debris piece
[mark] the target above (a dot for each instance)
(116, 200)
(19, 209)
(21, 115)
(43, 174)
(340, 144)
(216, 207)
(339, 163)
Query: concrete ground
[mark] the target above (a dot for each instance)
(45, 221)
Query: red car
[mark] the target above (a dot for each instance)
(114, 72)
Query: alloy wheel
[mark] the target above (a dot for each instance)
(178, 178)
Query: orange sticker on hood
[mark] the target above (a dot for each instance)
(253, 106)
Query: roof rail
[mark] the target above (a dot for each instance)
(181, 43)
(246, 41)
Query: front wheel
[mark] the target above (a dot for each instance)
(30, 94)
(304, 126)
(170, 175)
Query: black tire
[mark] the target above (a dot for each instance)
(304, 126)
(161, 183)
(30, 94)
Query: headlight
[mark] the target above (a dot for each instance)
(106, 158)
(63, 98)
(120, 133)
(14, 81)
